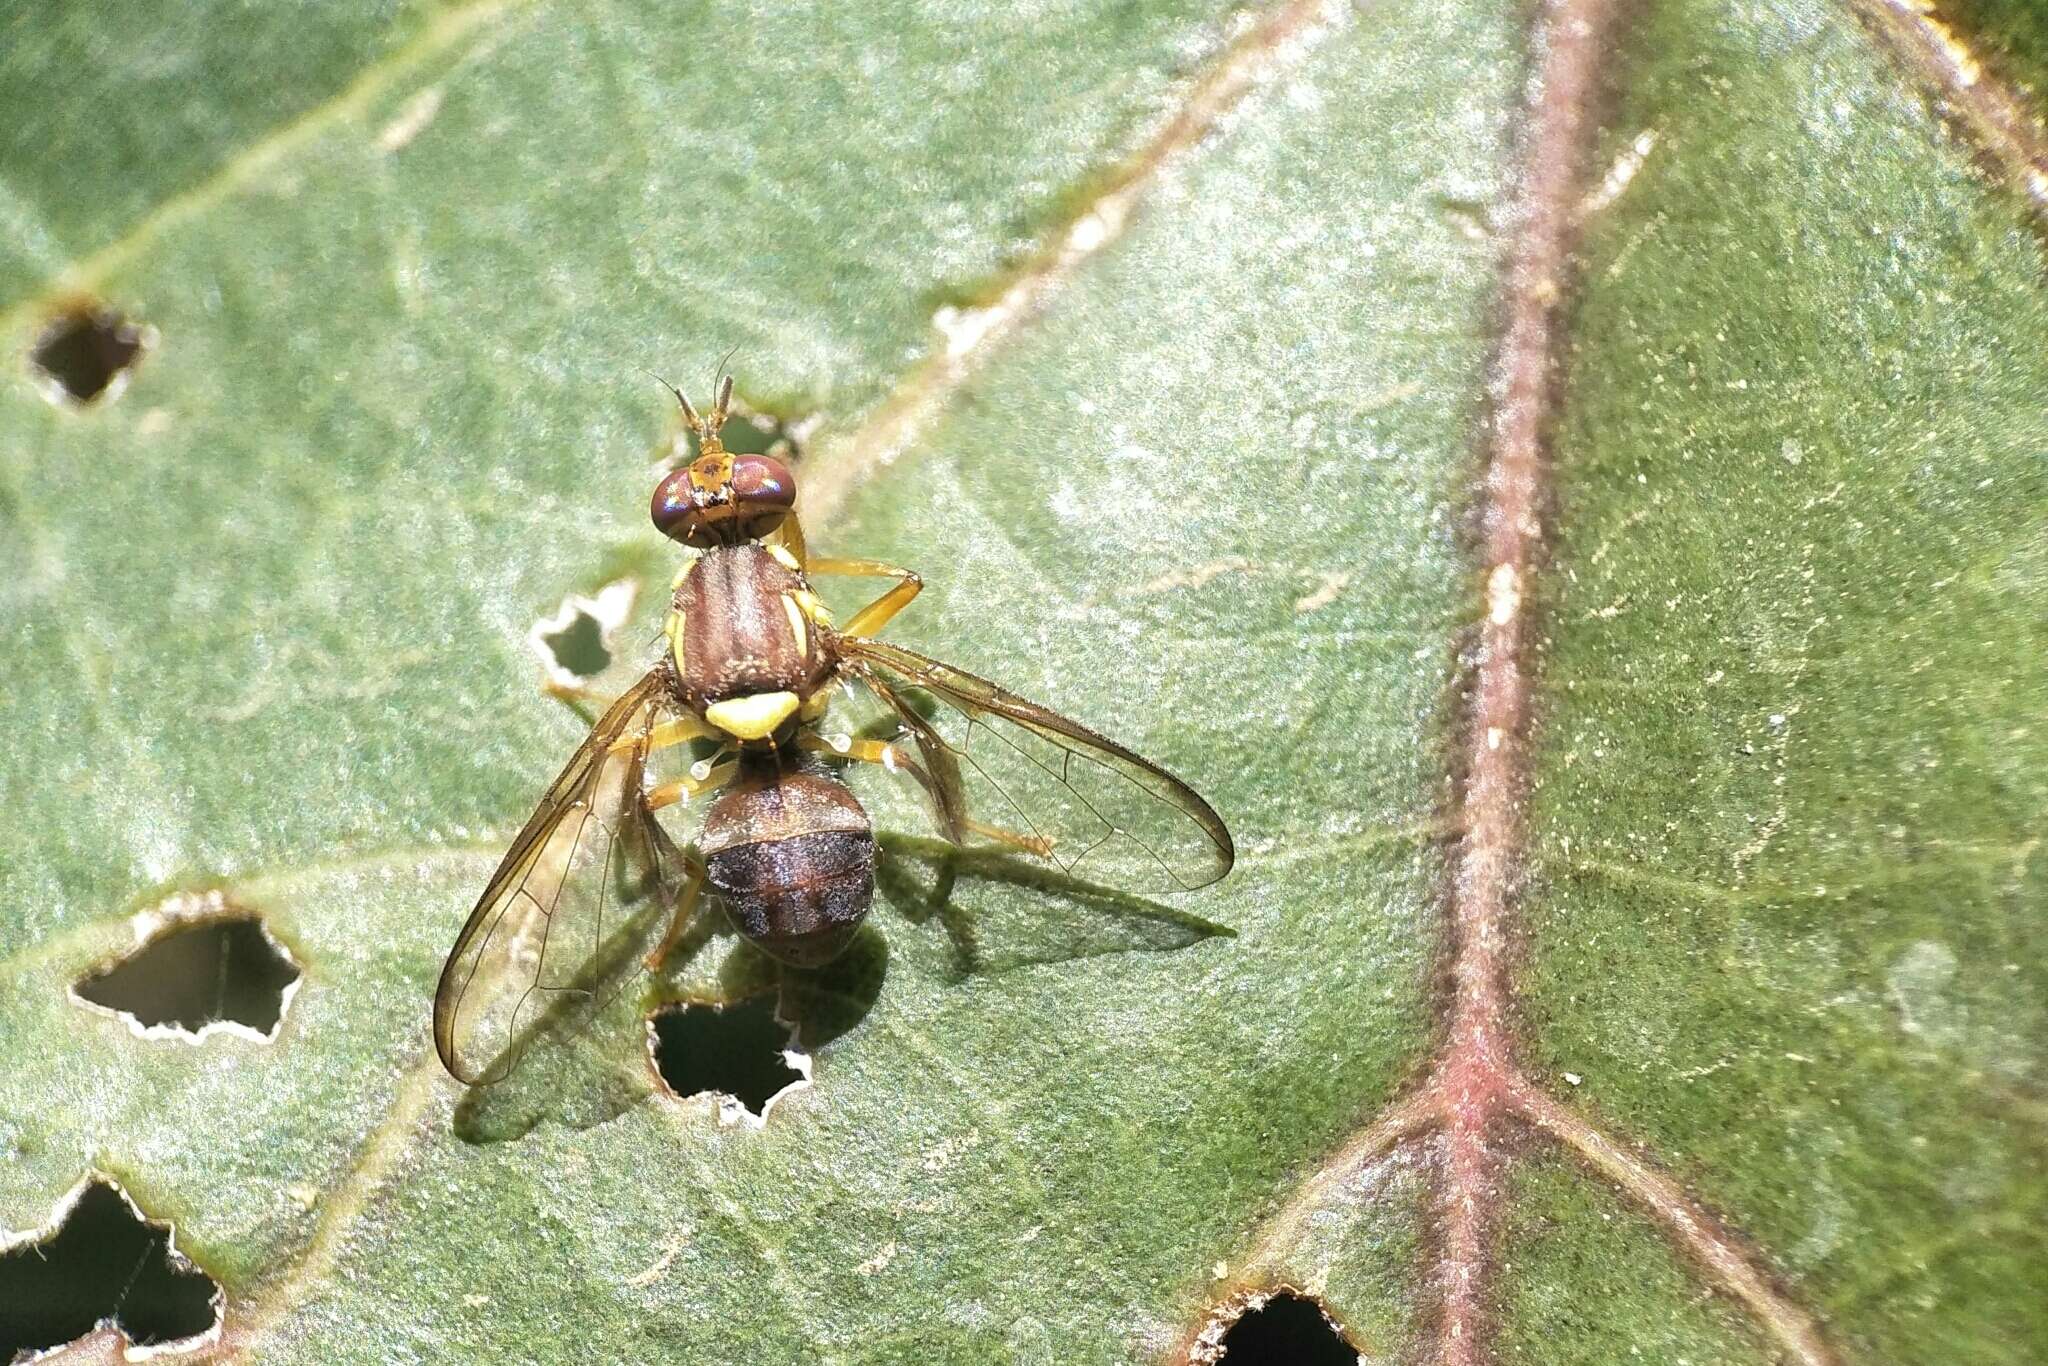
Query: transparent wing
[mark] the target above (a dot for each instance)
(573, 904)
(1091, 806)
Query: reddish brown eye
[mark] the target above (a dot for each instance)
(763, 484)
(675, 505)
(721, 499)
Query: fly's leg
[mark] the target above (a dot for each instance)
(674, 731)
(876, 614)
(683, 789)
(789, 534)
(686, 911)
(865, 751)
(576, 692)
(886, 754)
(579, 697)
(1030, 844)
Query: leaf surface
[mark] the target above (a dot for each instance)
(1163, 341)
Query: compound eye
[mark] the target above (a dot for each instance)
(763, 482)
(675, 506)
(763, 492)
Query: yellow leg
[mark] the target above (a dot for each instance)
(671, 732)
(886, 754)
(1030, 844)
(683, 789)
(578, 696)
(866, 751)
(574, 692)
(686, 911)
(790, 536)
(876, 614)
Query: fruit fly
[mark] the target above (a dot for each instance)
(750, 663)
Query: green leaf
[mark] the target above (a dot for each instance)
(1165, 341)
(1794, 758)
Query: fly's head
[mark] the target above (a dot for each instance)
(721, 498)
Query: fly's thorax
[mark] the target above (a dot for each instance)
(751, 646)
(793, 855)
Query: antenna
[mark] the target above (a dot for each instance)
(719, 370)
(723, 406)
(689, 413)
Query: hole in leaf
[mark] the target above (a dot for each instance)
(741, 1051)
(86, 352)
(1285, 1329)
(104, 1264)
(575, 644)
(221, 974)
(579, 648)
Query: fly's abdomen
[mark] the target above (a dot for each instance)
(794, 857)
